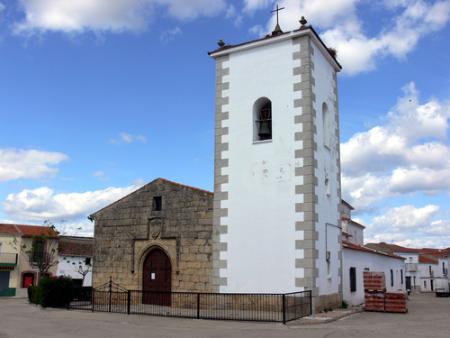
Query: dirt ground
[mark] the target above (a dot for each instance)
(428, 316)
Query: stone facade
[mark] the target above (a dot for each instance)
(127, 230)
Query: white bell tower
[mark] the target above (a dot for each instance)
(277, 167)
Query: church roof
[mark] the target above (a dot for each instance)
(304, 30)
(164, 180)
(185, 186)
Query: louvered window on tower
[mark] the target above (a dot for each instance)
(262, 113)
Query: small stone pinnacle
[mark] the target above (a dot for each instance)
(303, 21)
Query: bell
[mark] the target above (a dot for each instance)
(265, 131)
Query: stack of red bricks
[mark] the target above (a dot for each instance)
(374, 287)
(395, 302)
(376, 297)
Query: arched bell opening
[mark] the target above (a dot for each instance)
(262, 117)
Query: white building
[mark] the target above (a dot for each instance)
(358, 258)
(277, 173)
(75, 259)
(426, 269)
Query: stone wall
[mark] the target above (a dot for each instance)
(128, 229)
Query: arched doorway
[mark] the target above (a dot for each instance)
(157, 278)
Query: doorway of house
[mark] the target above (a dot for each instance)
(28, 279)
(157, 278)
(4, 280)
(408, 283)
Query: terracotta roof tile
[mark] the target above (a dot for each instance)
(391, 248)
(426, 259)
(35, 230)
(76, 246)
(353, 246)
(27, 230)
(10, 229)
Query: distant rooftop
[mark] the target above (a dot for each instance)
(27, 230)
(391, 248)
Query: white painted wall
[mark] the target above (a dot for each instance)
(356, 232)
(69, 265)
(328, 206)
(261, 193)
(261, 201)
(374, 262)
(425, 277)
(422, 275)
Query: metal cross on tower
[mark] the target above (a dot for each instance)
(277, 29)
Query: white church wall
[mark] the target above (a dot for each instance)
(370, 262)
(329, 201)
(356, 232)
(261, 194)
(69, 265)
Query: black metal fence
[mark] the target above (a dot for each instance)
(221, 306)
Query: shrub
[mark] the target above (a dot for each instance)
(55, 292)
(344, 304)
(34, 294)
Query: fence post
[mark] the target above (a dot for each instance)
(93, 299)
(128, 301)
(110, 293)
(284, 308)
(310, 302)
(198, 305)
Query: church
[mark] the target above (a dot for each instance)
(273, 223)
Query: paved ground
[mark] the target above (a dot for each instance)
(428, 317)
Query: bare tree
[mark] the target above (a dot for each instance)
(42, 253)
(83, 271)
(41, 250)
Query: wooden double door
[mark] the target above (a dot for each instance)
(157, 278)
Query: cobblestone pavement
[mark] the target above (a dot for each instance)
(428, 317)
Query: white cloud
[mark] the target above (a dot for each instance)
(406, 154)
(99, 174)
(407, 216)
(128, 138)
(232, 14)
(80, 15)
(410, 226)
(257, 30)
(28, 164)
(38, 205)
(343, 29)
(191, 9)
(252, 5)
(107, 15)
(170, 34)
(84, 228)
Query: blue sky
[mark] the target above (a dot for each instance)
(101, 96)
